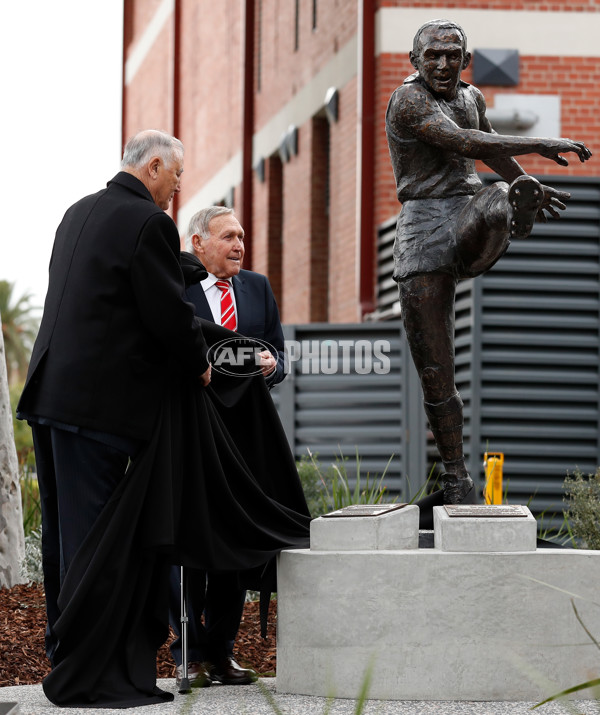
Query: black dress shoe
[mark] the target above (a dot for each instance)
(228, 672)
(197, 675)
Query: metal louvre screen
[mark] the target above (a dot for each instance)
(388, 304)
(528, 350)
(346, 394)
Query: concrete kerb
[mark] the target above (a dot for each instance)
(253, 700)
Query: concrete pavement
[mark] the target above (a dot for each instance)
(261, 699)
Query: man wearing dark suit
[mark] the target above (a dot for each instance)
(115, 326)
(216, 238)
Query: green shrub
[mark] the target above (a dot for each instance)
(548, 530)
(313, 486)
(583, 499)
(329, 489)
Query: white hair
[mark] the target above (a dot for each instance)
(200, 221)
(148, 143)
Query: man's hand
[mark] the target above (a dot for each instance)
(267, 362)
(205, 377)
(553, 200)
(552, 149)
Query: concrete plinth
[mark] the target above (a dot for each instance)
(484, 533)
(436, 625)
(397, 529)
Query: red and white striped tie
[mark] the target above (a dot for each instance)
(228, 319)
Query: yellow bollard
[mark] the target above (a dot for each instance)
(493, 463)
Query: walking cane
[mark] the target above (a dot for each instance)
(184, 686)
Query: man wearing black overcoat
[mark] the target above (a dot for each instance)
(115, 326)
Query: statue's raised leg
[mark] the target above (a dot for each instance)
(493, 217)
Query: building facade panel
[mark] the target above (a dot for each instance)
(343, 258)
(287, 61)
(139, 15)
(148, 99)
(260, 219)
(211, 74)
(296, 264)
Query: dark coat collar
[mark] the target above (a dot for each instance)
(129, 181)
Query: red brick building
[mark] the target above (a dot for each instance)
(281, 103)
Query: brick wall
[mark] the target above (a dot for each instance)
(391, 70)
(211, 88)
(307, 249)
(151, 108)
(137, 15)
(284, 70)
(260, 221)
(309, 246)
(295, 303)
(211, 69)
(343, 299)
(576, 80)
(267, 224)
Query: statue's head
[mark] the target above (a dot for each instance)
(440, 54)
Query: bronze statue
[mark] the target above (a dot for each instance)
(450, 228)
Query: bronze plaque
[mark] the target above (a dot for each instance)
(365, 510)
(486, 510)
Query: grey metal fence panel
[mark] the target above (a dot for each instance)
(536, 354)
(360, 404)
(387, 288)
(529, 334)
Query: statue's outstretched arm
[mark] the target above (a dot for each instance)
(416, 112)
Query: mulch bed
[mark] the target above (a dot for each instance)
(23, 622)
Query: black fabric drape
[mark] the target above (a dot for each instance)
(189, 498)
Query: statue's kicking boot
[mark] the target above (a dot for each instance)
(525, 196)
(456, 488)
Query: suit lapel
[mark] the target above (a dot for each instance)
(195, 294)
